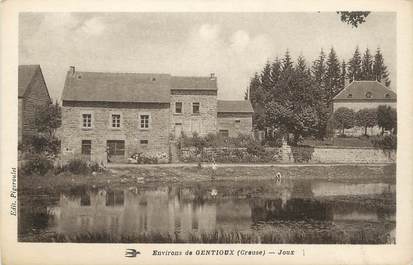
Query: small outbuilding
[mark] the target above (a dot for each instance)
(32, 94)
(234, 117)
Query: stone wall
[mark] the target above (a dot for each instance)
(235, 123)
(352, 155)
(287, 154)
(339, 155)
(72, 132)
(205, 122)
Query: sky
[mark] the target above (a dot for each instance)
(232, 45)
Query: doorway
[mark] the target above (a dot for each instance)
(116, 151)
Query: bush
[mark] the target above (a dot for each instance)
(302, 153)
(255, 148)
(77, 166)
(214, 140)
(36, 144)
(387, 142)
(39, 143)
(139, 158)
(38, 165)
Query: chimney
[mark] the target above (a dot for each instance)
(72, 70)
(212, 76)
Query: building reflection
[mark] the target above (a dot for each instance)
(185, 210)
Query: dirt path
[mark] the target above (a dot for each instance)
(228, 165)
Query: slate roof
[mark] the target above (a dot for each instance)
(193, 82)
(117, 87)
(234, 106)
(26, 74)
(358, 90)
(129, 87)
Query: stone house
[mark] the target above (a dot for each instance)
(193, 105)
(234, 117)
(32, 94)
(122, 114)
(364, 95)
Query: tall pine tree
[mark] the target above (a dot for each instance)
(367, 66)
(379, 69)
(256, 97)
(319, 69)
(287, 63)
(266, 80)
(354, 66)
(343, 75)
(332, 78)
(275, 71)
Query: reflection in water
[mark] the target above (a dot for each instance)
(185, 210)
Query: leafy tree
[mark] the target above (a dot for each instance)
(366, 118)
(47, 119)
(354, 18)
(354, 66)
(332, 77)
(367, 66)
(386, 118)
(379, 69)
(344, 118)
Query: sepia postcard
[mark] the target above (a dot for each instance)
(206, 132)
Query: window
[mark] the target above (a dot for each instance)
(387, 95)
(86, 120)
(368, 95)
(195, 108)
(224, 133)
(144, 141)
(144, 121)
(350, 95)
(115, 120)
(86, 147)
(237, 121)
(178, 107)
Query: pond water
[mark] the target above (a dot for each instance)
(215, 212)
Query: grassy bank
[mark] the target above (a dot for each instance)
(270, 233)
(140, 176)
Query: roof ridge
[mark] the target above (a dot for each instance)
(192, 76)
(233, 100)
(29, 65)
(137, 73)
(365, 81)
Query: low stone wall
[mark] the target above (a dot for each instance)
(339, 155)
(352, 155)
(287, 154)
